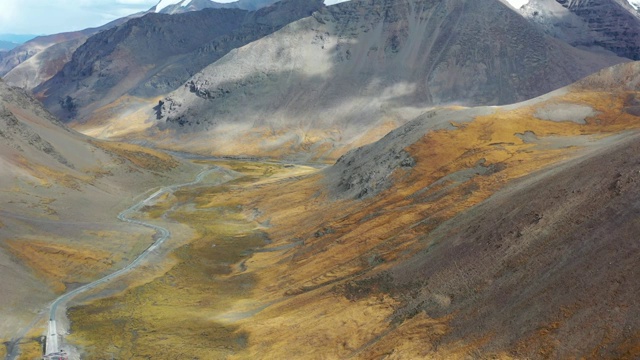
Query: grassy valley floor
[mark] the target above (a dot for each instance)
(178, 315)
(284, 266)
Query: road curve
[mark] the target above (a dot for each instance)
(162, 235)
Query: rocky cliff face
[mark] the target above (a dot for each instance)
(360, 64)
(612, 25)
(155, 54)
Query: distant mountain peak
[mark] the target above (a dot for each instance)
(519, 3)
(163, 4)
(610, 25)
(182, 6)
(516, 3)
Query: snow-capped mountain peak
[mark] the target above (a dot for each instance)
(517, 3)
(166, 3)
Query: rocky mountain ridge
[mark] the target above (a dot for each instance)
(612, 25)
(39, 59)
(178, 7)
(360, 64)
(154, 54)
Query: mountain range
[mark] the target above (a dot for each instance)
(39, 59)
(401, 179)
(124, 61)
(52, 52)
(363, 65)
(181, 6)
(6, 45)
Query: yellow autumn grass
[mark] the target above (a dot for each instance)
(60, 264)
(288, 303)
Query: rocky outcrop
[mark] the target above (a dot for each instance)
(157, 53)
(612, 25)
(366, 171)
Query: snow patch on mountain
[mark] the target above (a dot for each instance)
(165, 3)
(520, 3)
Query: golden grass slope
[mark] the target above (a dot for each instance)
(328, 284)
(141, 157)
(59, 264)
(195, 290)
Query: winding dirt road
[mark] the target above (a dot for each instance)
(54, 333)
